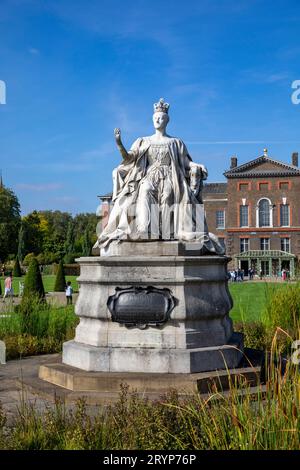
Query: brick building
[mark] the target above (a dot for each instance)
(256, 214)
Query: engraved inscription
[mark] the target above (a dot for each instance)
(141, 306)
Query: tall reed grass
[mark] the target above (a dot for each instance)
(240, 419)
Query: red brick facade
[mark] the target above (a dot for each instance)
(270, 225)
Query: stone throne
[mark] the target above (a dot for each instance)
(152, 302)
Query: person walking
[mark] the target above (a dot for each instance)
(69, 293)
(8, 289)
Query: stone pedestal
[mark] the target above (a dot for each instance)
(197, 336)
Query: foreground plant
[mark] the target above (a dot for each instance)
(241, 418)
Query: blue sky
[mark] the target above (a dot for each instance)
(74, 70)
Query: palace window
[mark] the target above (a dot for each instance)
(263, 186)
(284, 215)
(286, 245)
(243, 186)
(244, 222)
(244, 245)
(265, 244)
(283, 185)
(264, 213)
(220, 219)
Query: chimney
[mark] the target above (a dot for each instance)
(233, 162)
(295, 158)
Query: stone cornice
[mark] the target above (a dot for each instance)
(239, 171)
(263, 174)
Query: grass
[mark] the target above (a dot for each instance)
(249, 299)
(48, 281)
(239, 420)
(35, 327)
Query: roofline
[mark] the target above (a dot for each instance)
(238, 169)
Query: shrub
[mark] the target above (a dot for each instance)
(282, 308)
(254, 334)
(69, 258)
(72, 269)
(34, 313)
(60, 280)
(28, 258)
(17, 268)
(33, 281)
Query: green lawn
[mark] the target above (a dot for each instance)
(249, 299)
(48, 281)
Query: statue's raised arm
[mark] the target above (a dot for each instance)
(119, 143)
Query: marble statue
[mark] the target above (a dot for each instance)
(157, 191)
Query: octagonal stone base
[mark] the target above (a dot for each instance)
(198, 335)
(148, 360)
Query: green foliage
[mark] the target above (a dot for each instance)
(33, 281)
(282, 307)
(33, 236)
(235, 421)
(255, 334)
(86, 244)
(47, 258)
(10, 220)
(34, 327)
(28, 258)
(17, 272)
(70, 240)
(70, 257)
(21, 244)
(60, 280)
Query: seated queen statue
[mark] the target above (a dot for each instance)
(157, 192)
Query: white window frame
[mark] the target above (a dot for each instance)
(223, 227)
(269, 243)
(244, 238)
(281, 240)
(289, 215)
(270, 215)
(244, 205)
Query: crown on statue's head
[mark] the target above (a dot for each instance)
(161, 106)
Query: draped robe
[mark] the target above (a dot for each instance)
(189, 217)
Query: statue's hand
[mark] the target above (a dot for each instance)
(117, 133)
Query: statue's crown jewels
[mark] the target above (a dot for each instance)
(161, 106)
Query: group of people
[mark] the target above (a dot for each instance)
(285, 274)
(237, 275)
(9, 291)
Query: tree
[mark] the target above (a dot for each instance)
(10, 220)
(17, 268)
(69, 245)
(33, 281)
(60, 280)
(86, 244)
(21, 244)
(33, 234)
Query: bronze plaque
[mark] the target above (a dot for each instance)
(141, 306)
